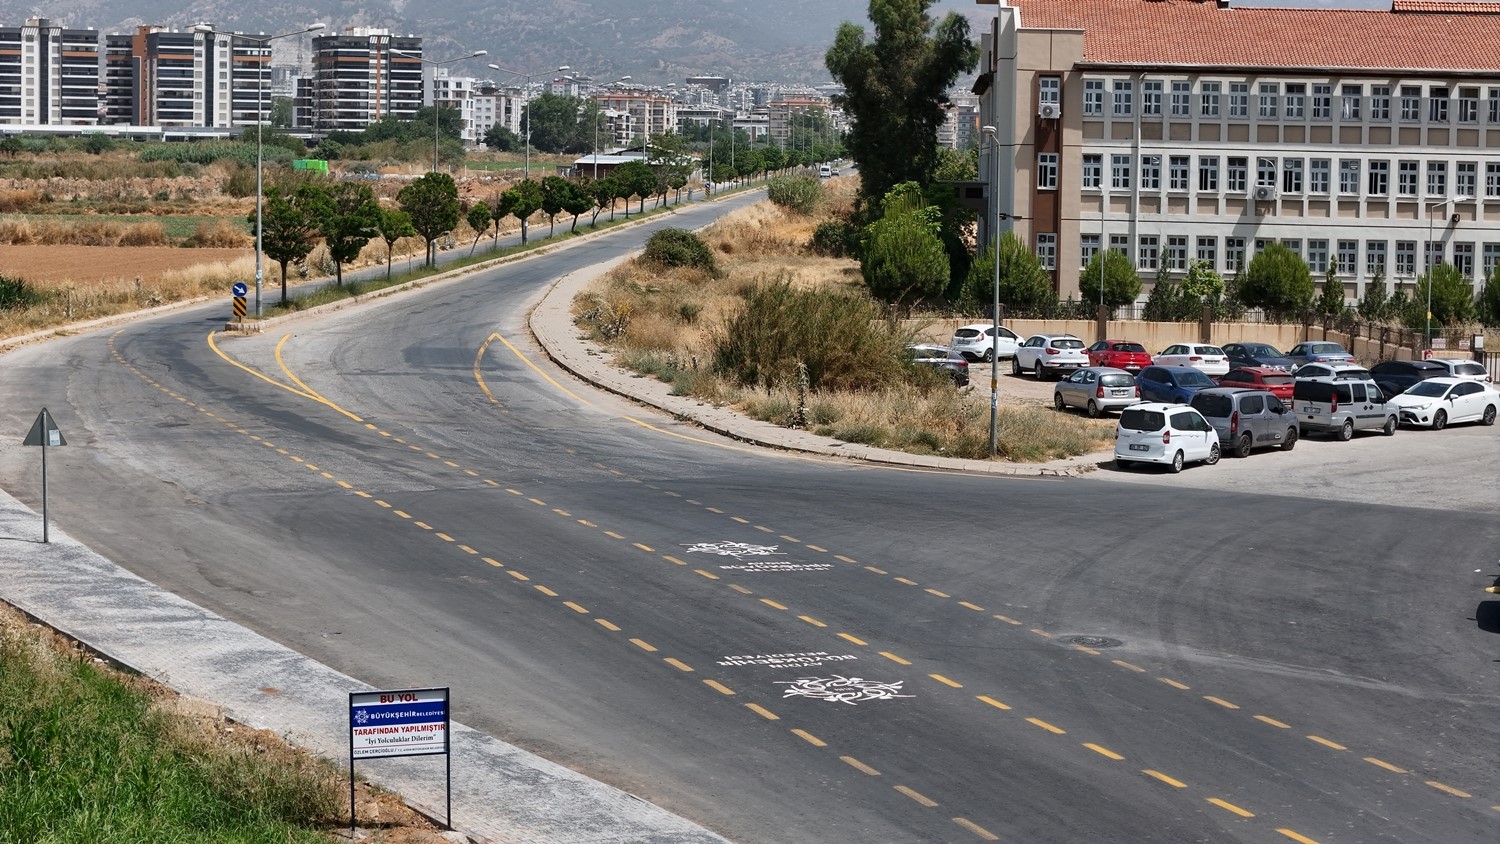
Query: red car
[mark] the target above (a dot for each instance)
(1121, 354)
(1278, 382)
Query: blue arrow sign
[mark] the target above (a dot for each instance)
(239, 288)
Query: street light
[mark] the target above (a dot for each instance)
(260, 110)
(989, 131)
(525, 95)
(1430, 208)
(473, 55)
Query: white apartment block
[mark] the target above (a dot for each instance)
(1365, 140)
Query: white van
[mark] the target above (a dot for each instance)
(825, 172)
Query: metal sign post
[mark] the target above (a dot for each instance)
(405, 722)
(44, 432)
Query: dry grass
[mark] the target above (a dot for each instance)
(219, 234)
(22, 232)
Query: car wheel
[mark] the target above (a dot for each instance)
(1243, 445)
(1213, 454)
(1489, 416)
(1176, 464)
(1123, 464)
(1057, 402)
(1037, 371)
(1346, 433)
(1094, 411)
(1440, 420)
(989, 355)
(1390, 426)
(1290, 442)
(1015, 366)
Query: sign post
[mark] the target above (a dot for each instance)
(405, 722)
(44, 432)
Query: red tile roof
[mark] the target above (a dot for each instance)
(1416, 35)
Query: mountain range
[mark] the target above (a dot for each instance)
(653, 41)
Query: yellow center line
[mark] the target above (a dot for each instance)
(643, 547)
(586, 523)
(718, 687)
(1040, 632)
(402, 513)
(1048, 727)
(517, 575)
(762, 712)
(414, 447)
(561, 512)
(809, 738)
(1326, 743)
(669, 558)
(1164, 778)
(740, 520)
(643, 645)
(479, 378)
(813, 621)
(1220, 701)
(282, 451)
(1123, 664)
(783, 536)
(613, 535)
(770, 603)
(1266, 719)
(544, 590)
(450, 464)
(1300, 839)
(708, 574)
(471, 473)
(671, 493)
(714, 510)
(361, 493)
(537, 502)
(678, 664)
(423, 525)
(1089, 651)
(537, 369)
(740, 589)
(1448, 789)
(1103, 751)
(514, 491)
(845, 559)
(893, 658)
(1174, 684)
(976, 829)
(859, 766)
(494, 562)
(328, 475)
(607, 625)
(945, 681)
(974, 607)
(764, 528)
(817, 548)
(1230, 807)
(310, 392)
(445, 537)
(937, 593)
(876, 570)
(1007, 619)
(575, 608)
(1386, 765)
(992, 702)
(434, 455)
(906, 581)
(297, 459)
(855, 639)
(467, 549)
(917, 796)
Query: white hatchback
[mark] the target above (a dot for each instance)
(1473, 370)
(978, 341)
(1211, 360)
(1170, 434)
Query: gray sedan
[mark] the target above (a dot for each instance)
(1096, 389)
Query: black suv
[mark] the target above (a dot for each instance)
(1396, 376)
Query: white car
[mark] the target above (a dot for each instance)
(1170, 434)
(1332, 372)
(1473, 370)
(1210, 359)
(1435, 402)
(1049, 354)
(977, 342)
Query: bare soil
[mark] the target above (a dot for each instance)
(87, 265)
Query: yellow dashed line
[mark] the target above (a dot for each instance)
(575, 608)
(586, 523)
(1048, 727)
(613, 535)
(809, 738)
(1230, 807)
(443, 536)
(1273, 722)
(402, 513)
(992, 702)
(1089, 651)
(435, 456)
(678, 664)
(740, 520)
(1300, 839)
(708, 574)
(783, 536)
(361, 493)
(423, 525)
(607, 625)
(1164, 778)
(906, 581)
(764, 528)
(1386, 765)
(517, 575)
(1448, 789)
(450, 464)
(471, 473)
(1123, 664)
(770, 603)
(1007, 619)
(1040, 632)
(718, 687)
(673, 494)
(1220, 701)
(859, 766)
(561, 512)
(643, 645)
(468, 550)
(917, 796)
(1103, 751)
(346, 485)
(1326, 743)
(297, 459)
(672, 559)
(855, 639)
(537, 501)
(491, 483)
(694, 503)
(974, 607)
(514, 491)
(893, 658)
(643, 547)
(876, 570)
(544, 590)
(813, 621)
(494, 562)
(762, 712)
(714, 510)
(382, 503)
(945, 681)
(328, 475)
(845, 559)
(282, 451)
(399, 440)
(1174, 684)
(816, 548)
(976, 829)
(937, 593)
(740, 589)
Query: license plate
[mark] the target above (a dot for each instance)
(1139, 447)
(1119, 392)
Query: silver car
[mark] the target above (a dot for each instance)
(1096, 389)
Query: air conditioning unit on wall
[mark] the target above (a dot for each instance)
(1264, 193)
(1049, 111)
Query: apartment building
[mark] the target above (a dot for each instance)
(359, 77)
(49, 74)
(639, 114)
(779, 111)
(158, 76)
(1365, 140)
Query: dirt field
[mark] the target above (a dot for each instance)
(87, 265)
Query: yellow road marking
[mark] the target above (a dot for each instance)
(678, 664)
(272, 381)
(1386, 765)
(762, 712)
(423, 525)
(328, 475)
(612, 534)
(937, 593)
(1164, 778)
(1174, 684)
(764, 528)
(893, 658)
(976, 829)
(443, 536)
(907, 581)
(1230, 807)
(1273, 722)
(586, 523)
(945, 681)
(809, 738)
(517, 575)
(514, 491)
(1044, 634)
(1448, 789)
(876, 570)
(672, 559)
(770, 603)
(282, 451)
(917, 796)
(450, 464)
(545, 591)
(708, 574)
(607, 625)
(403, 514)
(1123, 664)
(1300, 839)
(714, 510)
(1326, 743)
(643, 645)
(855, 639)
(297, 459)
(1089, 651)
(783, 536)
(643, 547)
(1007, 620)
(1103, 751)
(310, 392)
(575, 608)
(671, 493)
(845, 559)
(1048, 727)
(718, 687)
(992, 702)
(471, 473)
(740, 589)
(818, 549)
(538, 502)
(467, 549)
(813, 621)
(491, 483)
(479, 356)
(561, 512)
(1220, 701)
(740, 520)
(494, 562)
(537, 369)
(361, 493)
(859, 766)
(974, 607)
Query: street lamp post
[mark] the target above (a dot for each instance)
(260, 110)
(474, 55)
(1430, 208)
(990, 132)
(524, 95)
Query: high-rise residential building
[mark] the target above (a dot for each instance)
(160, 77)
(49, 74)
(639, 114)
(359, 77)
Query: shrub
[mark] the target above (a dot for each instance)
(835, 239)
(679, 248)
(218, 234)
(16, 294)
(802, 194)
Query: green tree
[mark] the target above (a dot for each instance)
(576, 201)
(479, 220)
(1168, 302)
(1278, 281)
(555, 191)
(895, 88)
(281, 112)
(431, 200)
(393, 225)
(521, 201)
(1202, 282)
(956, 165)
(1374, 306)
(1330, 302)
(1121, 283)
(555, 125)
(638, 178)
(1489, 301)
(903, 259)
(1024, 285)
(666, 155)
(97, 143)
(1452, 298)
(289, 227)
(348, 220)
(500, 137)
(605, 192)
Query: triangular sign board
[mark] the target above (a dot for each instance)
(44, 431)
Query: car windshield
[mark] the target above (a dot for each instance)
(1325, 349)
(1130, 347)
(1429, 389)
(1468, 369)
(1067, 343)
(1261, 350)
(1194, 378)
(1135, 419)
(966, 333)
(1116, 379)
(1276, 379)
(1213, 406)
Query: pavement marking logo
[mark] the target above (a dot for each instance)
(841, 689)
(806, 659)
(753, 558)
(737, 550)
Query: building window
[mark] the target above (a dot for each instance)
(1294, 244)
(1046, 250)
(1322, 102)
(1239, 99)
(1492, 178)
(1348, 257)
(1208, 173)
(1049, 90)
(1151, 98)
(1437, 178)
(1093, 171)
(1317, 175)
(1046, 171)
(1208, 250)
(1349, 175)
(1150, 172)
(1296, 95)
(1375, 258)
(1349, 97)
(1406, 257)
(1177, 252)
(1120, 243)
(1468, 105)
(1437, 104)
(1436, 252)
(1147, 252)
(1411, 103)
(1119, 172)
(1208, 99)
(1493, 99)
(1265, 172)
(1124, 90)
(1088, 247)
(1177, 172)
(1268, 94)
(1182, 97)
(1463, 259)
(1380, 102)
(1406, 178)
(1465, 177)
(1234, 253)
(1317, 256)
(1491, 259)
(1380, 178)
(1093, 97)
(1236, 174)
(1291, 175)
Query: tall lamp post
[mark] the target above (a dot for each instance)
(260, 111)
(1431, 208)
(474, 55)
(528, 77)
(989, 132)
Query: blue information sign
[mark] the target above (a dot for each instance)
(239, 288)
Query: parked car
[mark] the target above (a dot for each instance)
(1435, 402)
(1247, 419)
(1319, 351)
(1250, 355)
(1170, 434)
(1172, 383)
(1331, 372)
(1277, 382)
(941, 357)
(1096, 389)
(1463, 368)
(1342, 407)
(1044, 354)
(977, 342)
(1120, 354)
(1210, 359)
(1398, 376)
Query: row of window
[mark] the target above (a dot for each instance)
(1154, 252)
(1289, 101)
(1289, 174)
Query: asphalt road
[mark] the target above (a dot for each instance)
(791, 649)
